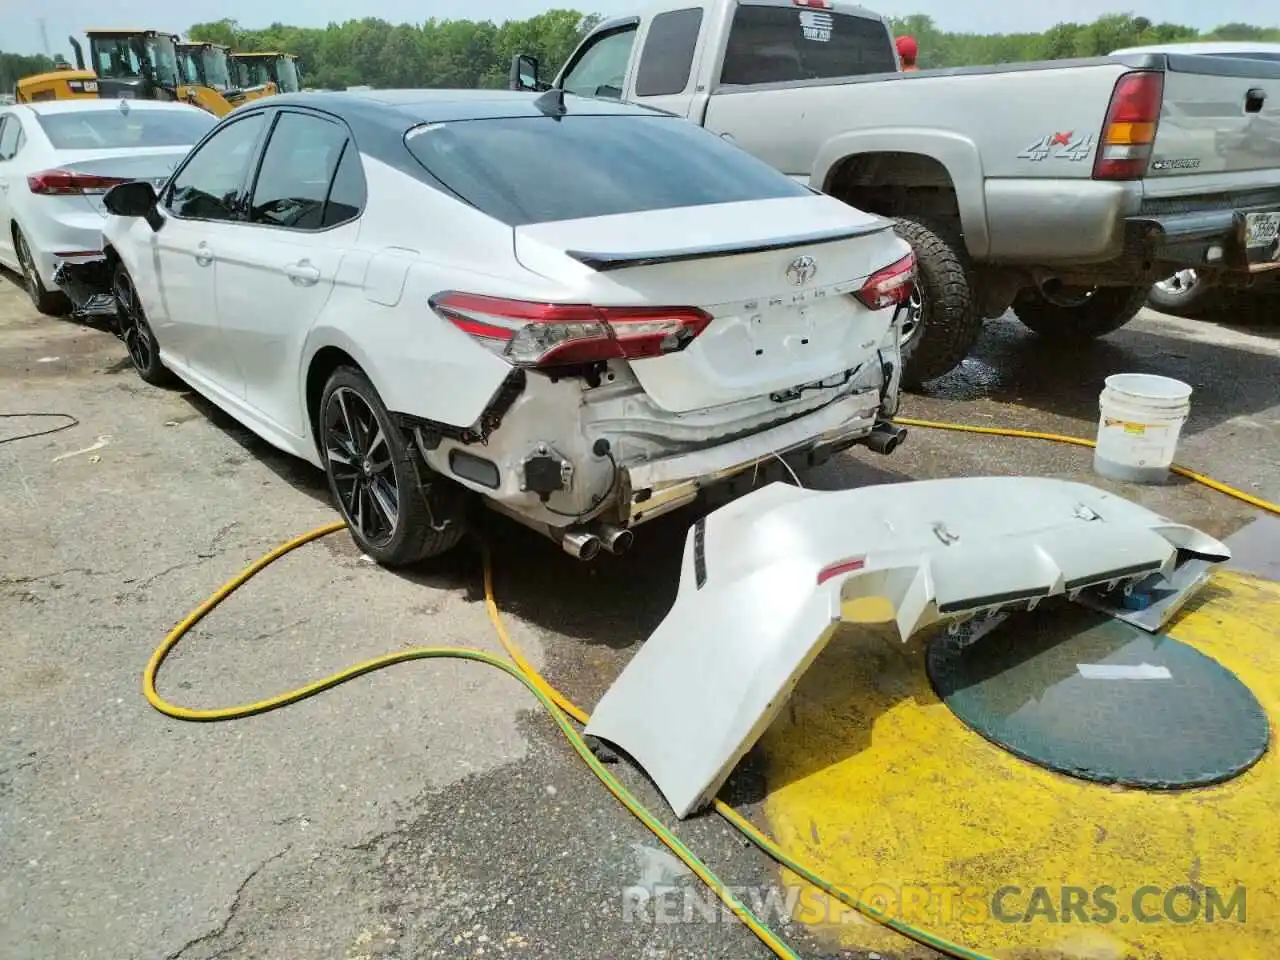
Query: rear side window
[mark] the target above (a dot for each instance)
(297, 172)
(113, 128)
(590, 166)
(10, 136)
(780, 44)
(667, 59)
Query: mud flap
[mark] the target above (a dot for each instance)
(765, 580)
(87, 284)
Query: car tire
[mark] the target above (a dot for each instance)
(943, 323)
(397, 511)
(134, 329)
(53, 303)
(1179, 293)
(1106, 310)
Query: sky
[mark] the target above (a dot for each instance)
(20, 31)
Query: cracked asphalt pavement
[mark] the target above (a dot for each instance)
(428, 810)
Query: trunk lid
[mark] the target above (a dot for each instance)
(1220, 115)
(777, 276)
(154, 164)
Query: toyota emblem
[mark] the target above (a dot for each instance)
(801, 270)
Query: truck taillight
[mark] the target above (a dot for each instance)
(891, 286)
(559, 334)
(812, 4)
(66, 183)
(1130, 129)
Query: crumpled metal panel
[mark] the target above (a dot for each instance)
(764, 580)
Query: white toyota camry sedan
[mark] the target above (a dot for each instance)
(580, 311)
(58, 158)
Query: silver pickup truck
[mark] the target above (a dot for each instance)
(1062, 189)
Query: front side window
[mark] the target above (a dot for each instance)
(216, 74)
(208, 187)
(590, 166)
(163, 56)
(782, 44)
(256, 73)
(190, 64)
(288, 75)
(117, 58)
(297, 172)
(602, 68)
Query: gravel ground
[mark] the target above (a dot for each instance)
(426, 811)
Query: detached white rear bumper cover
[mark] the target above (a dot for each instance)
(763, 581)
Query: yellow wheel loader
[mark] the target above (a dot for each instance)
(263, 67)
(207, 81)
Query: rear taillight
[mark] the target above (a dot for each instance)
(556, 334)
(65, 183)
(1130, 130)
(812, 4)
(890, 286)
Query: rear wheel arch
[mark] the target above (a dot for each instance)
(940, 181)
(324, 362)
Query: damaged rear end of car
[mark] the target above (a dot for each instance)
(698, 334)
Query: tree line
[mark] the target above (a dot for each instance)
(477, 53)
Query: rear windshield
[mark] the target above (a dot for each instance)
(538, 169)
(769, 44)
(112, 128)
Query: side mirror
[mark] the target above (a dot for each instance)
(524, 73)
(137, 198)
(133, 199)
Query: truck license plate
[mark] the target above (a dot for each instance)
(1261, 229)
(1262, 239)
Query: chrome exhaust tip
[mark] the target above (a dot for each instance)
(617, 540)
(581, 544)
(885, 438)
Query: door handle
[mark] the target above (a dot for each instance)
(204, 256)
(303, 273)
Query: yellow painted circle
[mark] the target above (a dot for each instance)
(874, 783)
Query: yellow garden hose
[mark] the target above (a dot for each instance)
(561, 709)
(538, 687)
(1200, 478)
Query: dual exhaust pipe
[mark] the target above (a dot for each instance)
(585, 543)
(885, 437)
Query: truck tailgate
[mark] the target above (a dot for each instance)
(1219, 116)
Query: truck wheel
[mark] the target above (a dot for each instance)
(942, 322)
(1178, 293)
(1105, 310)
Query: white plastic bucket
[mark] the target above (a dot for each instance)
(1140, 420)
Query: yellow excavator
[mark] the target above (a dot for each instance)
(262, 67)
(205, 71)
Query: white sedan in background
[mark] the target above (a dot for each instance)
(57, 159)
(580, 311)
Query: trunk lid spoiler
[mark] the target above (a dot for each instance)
(765, 580)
